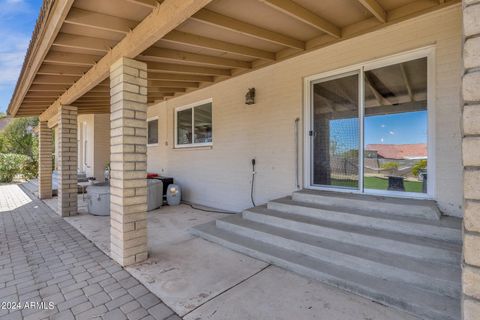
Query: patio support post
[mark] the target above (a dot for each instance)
(44, 161)
(128, 161)
(471, 159)
(67, 161)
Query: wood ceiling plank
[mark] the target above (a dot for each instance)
(100, 21)
(72, 41)
(50, 69)
(71, 59)
(146, 3)
(49, 79)
(156, 53)
(48, 87)
(179, 77)
(304, 15)
(178, 68)
(173, 84)
(153, 91)
(163, 19)
(218, 45)
(229, 23)
(37, 94)
(375, 8)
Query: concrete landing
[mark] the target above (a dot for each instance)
(276, 294)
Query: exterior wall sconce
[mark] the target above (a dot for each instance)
(250, 96)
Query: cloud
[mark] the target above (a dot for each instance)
(12, 54)
(391, 132)
(383, 126)
(381, 140)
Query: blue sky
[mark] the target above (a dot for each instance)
(402, 128)
(17, 20)
(399, 128)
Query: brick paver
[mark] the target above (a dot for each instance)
(43, 259)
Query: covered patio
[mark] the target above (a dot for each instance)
(140, 60)
(202, 280)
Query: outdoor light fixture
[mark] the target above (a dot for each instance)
(174, 195)
(250, 96)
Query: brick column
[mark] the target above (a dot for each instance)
(45, 149)
(471, 160)
(128, 161)
(67, 161)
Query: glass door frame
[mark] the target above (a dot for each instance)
(425, 52)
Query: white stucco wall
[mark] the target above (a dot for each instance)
(98, 143)
(220, 176)
(101, 150)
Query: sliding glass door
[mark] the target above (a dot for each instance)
(336, 132)
(368, 129)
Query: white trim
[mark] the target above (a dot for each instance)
(192, 145)
(424, 52)
(158, 131)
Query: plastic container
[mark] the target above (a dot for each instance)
(154, 194)
(99, 199)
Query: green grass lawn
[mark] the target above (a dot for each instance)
(378, 184)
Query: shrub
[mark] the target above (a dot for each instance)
(12, 164)
(389, 165)
(419, 166)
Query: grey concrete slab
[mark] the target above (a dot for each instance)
(276, 294)
(184, 271)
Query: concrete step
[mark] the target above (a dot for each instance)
(388, 205)
(436, 251)
(444, 229)
(404, 296)
(443, 279)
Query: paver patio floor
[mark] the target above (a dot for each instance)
(44, 259)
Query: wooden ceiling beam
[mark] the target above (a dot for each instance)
(71, 59)
(178, 68)
(218, 45)
(48, 87)
(37, 94)
(62, 70)
(146, 3)
(304, 15)
(232, 24)
(97, 95)
(156, 54)
(153, 91)
(376, 9)
(173, 84)
(49, 79)
(163, 19)
(179, 77)
(36, 103)
(99, 21)
(407, 82)
(28, 100)
(72, 41)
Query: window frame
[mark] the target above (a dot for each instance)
(175, 126)
(158, 131)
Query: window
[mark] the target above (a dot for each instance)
(152, 135)
(193, 125)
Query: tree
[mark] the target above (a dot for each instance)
(18, 149)
(18, 137)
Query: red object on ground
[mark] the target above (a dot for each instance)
(151, 175)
